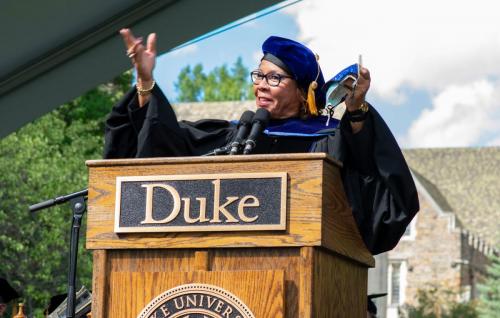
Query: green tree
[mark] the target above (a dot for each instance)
(44, 159)
(242, 80)
(190, 83)
(435, 303)
(220, 84)
(490, 290)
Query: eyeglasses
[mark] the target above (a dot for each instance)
(272, 79)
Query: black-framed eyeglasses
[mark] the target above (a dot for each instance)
(272, 79)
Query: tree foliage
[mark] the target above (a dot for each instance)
(490, 290)
(42, 160)
(46, 158)
(190, 83)
(435, 303)
(220, 84)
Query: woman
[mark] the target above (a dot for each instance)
(288, 84)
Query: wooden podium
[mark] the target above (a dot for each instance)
(316, 266)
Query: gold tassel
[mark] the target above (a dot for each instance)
(311, 99)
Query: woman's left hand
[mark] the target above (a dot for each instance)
(354, 100)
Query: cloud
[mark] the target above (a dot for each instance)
(495, 142)
(423, 44)
(257, 56)
(189, 49)
(459, 116)
(251, 24)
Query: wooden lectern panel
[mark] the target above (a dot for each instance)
(132, 291)
(315, 281)
(339, 287)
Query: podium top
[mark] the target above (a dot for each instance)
(317, 211)
(198, 159)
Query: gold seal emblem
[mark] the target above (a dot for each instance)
(196, 301)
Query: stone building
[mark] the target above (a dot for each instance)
(447, 244)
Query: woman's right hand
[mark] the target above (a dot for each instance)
(142, 57)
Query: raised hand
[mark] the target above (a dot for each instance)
(354, 100)
(143, 57)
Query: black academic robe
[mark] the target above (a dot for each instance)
(376, 178)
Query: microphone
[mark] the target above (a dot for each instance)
(243, 128)
(259, 123)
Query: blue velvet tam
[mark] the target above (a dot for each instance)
(297, 60)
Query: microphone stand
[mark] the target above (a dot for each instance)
(219, 151)
(78, 206)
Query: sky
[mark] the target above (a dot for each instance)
(435, 65)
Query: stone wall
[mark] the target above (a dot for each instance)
(441, 255)
(432, 256)
(213, 110)
(475, 252)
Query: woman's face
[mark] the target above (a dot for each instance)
(282, 101)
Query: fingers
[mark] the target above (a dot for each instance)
(363, 83)
(356, 97)
(141, 56)
(134, 45)
(135, 51)
(132, 51)
(131, 42)
(128, 38)
(365, 74)
(151, 43)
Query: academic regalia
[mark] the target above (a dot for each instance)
(54, 302)
(7, 292)
(376, 178)
(372, 308)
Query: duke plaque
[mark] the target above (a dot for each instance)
(207, 202)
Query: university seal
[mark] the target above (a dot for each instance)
(196, 301)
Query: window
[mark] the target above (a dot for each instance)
(410, 231)
(397, 282)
